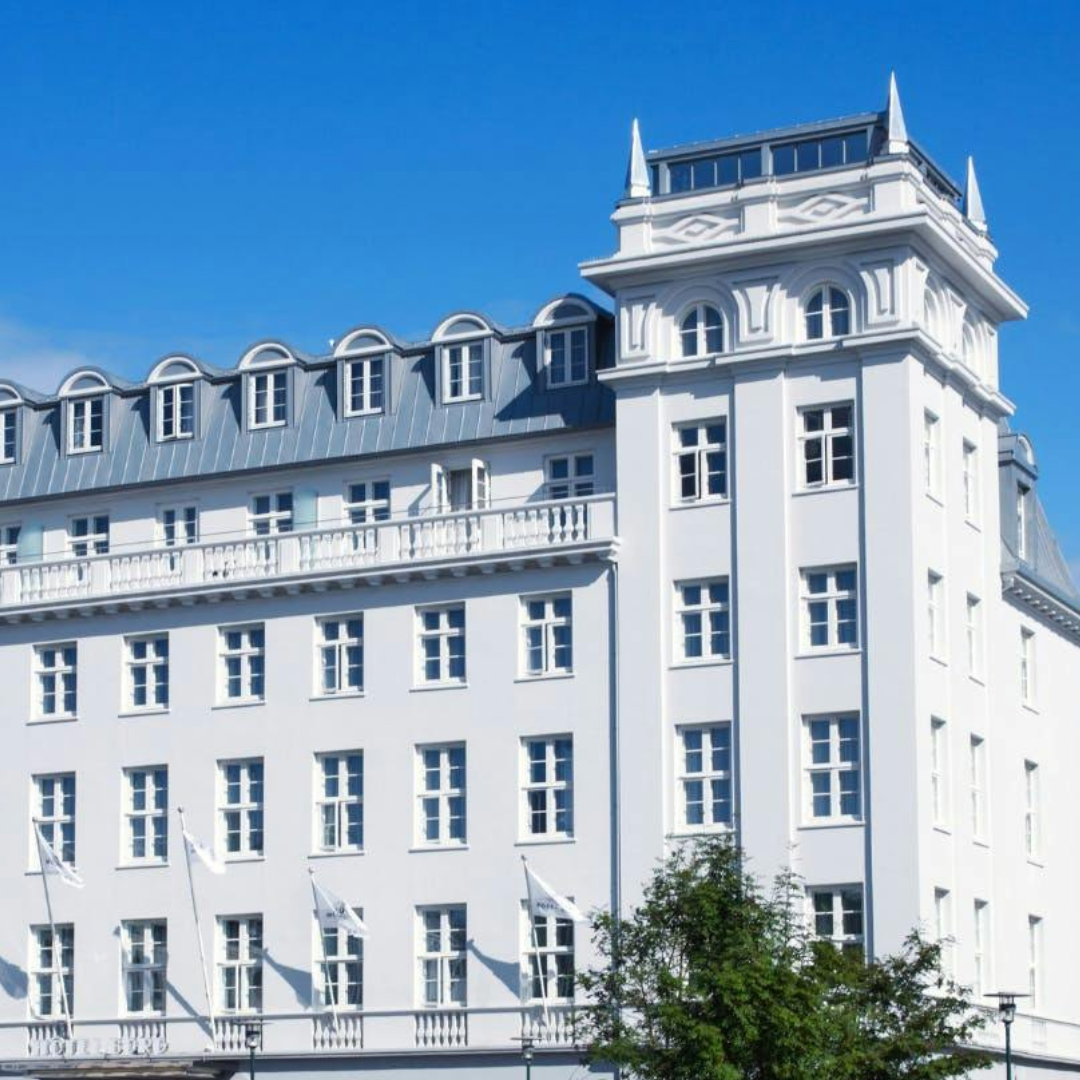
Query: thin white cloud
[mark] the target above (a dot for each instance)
(35, 359)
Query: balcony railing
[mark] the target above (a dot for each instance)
(504, 533)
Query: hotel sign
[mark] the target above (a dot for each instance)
(141, 1046)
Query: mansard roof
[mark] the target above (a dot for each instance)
(518, 402)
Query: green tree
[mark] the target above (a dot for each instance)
(713, 978)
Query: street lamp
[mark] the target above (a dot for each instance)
(253, 1042)
(1006, 1000)
(527, 1045)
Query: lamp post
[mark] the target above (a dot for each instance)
(527, 1045)
(1006, 1000)
(253, 1042)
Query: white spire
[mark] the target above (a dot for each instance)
(637, 171)
(973, 204)
(894, 120)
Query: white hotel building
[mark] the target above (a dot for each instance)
(758, 551)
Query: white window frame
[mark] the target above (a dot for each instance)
(698, 335)
(444, 634)
(943, 928)
(712, 617)
(1028, 685)
(172, 394)
(80, 416)
(371, 387)
(577, 484)
(973, 631)
(9, 543)
(249, 808)
(268, 393)
(982, 948)
(51, 964)
(442, 487)
(55, 811)
(152, 816)
(441, 785)
(977, 780)
(246, 966)
(935, 608)
(1033, 817)
(339, 794)
(828, 436)
(708, 784)
(362, 504)
(338, 962)
(278, 519)
(144, 956)
(250, 655)
(62, 676)
(940, 788)
(932, 454)
(96, 539)
(178, 525)
(546, 635)
(830, 311)
(834, 597)
(544, 949)
(339, 660)
(826, 778)
(9, 434)
(150, 672)
(971, 482)
(547, 787)
(1023, 493)
(1035, 961)
(468, 361)
(829, 919)
(696, 462)
(567, 334)
(445, 966)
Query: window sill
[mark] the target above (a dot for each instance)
(1028, 707)
(939, 660)
(981, 841)
(978, 680)
(833, 823)
(694, 834)
(273, 425)
(74, 452)
(973, 525)
(41, 720)
(697, 504)
(683, 665)
(237, 704)
(350, 414)
(567, 385)
(1037, 861)
(423, 688)
(230, 860)
(937, 500)
(336, 854)
(126, 713)
(822, 489)
(813, 654)
(160, 865)
(350, 695)
(553, 676)
(944, 829)
(542, 841)
(462, 400)
(425, 848)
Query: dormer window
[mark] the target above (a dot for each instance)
(9, 427)
(828, 314)
(463, 371)
(565, 339)
(86, 425)
(176, 411)
(568, 356)
(364, 381)
(701, 332)
(268, 399)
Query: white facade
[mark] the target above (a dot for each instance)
(779, 568)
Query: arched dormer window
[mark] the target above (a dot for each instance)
(9, 425)
(364, 372)
(566, 340)
(828, 314)
(84, 401)
(701, 331)
(462, 357)
(267, 385)
(175, 394)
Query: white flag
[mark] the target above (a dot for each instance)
(194, 846)
(544, 900)
(335, 914)
(51, 863)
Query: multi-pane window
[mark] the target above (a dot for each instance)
(146, 814)
(86, 425)
(971, 482)
(56, 681)
(271, 514)
(441, 653)
(935, 613)
(340, 655)
(701, 332)
(367, 501)
(88, 536)
(9, 426)
(827, 445)
(973, 635)
(268, 398)
(548, 787)
(1032, 811)
(145, 956)
(441, 956)
(1027, 666)
(440, 796)
(54, 810)
(547, 635)
(700, 453)
(52, 959)
(571, 476)
(339, 967)
(463, 371)
(977, 786)
(549, 958)
(981, 942)
(1034, 951)
(146, 664)
(943, 927)
(702, 620)
(828, 314)
(240, 806)
(705, 778)
(1022, 494)
(339, 801)
(240, 963)
(838, 915)
(242, 655)
(939, 771)
(830, 604)
(931, 454)
(364, 385)
(568, 356)
(179, 525)
(833, 788)
(9, 544)
(176, 411)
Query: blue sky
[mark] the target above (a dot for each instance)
(198, 176)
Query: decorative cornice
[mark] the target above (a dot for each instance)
(1037, 596)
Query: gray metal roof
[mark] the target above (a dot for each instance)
(1044, 562)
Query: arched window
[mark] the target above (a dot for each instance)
(701, 331)
(828, 314)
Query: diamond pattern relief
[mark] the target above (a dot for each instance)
(831, 206)
(695, 229)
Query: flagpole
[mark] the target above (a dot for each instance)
(325, 958)
(198, 931)
(536, 945)
(58, 949)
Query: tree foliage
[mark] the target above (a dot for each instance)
(713, 978)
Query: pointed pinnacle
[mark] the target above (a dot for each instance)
(972, 205)
(896, 128)
(637, 171)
